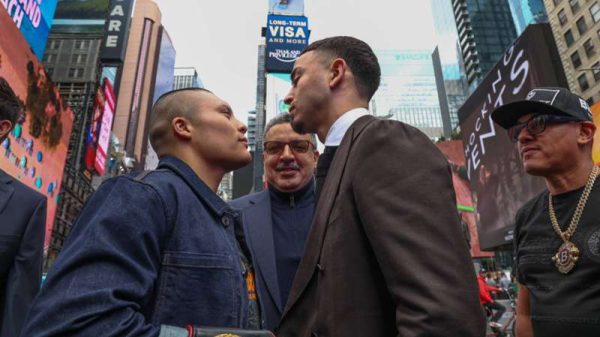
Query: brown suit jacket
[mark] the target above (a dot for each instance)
(386, 255)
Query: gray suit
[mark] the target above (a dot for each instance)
(22, 229)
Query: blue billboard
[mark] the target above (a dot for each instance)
(286, 7)
(34, 19)
(286, 37)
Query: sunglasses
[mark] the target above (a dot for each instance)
(537, 125)
(277, 147)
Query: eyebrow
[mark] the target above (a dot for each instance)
(294, 72)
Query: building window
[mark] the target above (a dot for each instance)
(569, 39)
(589, 48)
(595, 11)
(81, 44)
(49, 71)
(54, 44)
(562, 17)
(76, 72)
(596, 71)
(574, 5)
(576, 60)
(79, 58)
(581, 25)
(583, 82)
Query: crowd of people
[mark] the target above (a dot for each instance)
(361, 240)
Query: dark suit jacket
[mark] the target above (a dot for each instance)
(22, 229)
(386, 255)
(258, 230)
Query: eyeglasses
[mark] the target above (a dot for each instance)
(537, 125)
(277, 147)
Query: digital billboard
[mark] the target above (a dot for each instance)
(81, 9)
(286, 7)
(499, 184)
(286, 37)
(34, 19)
(105, 126)
(278, 85)
(36, 150)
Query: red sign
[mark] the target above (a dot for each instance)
(105, 127)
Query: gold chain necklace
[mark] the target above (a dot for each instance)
(568, 254)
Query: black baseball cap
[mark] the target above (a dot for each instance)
(543, 101)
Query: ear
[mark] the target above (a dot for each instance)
(5, 127)
(337, 72)
(182, 128)
(316, 154)
(586, 133)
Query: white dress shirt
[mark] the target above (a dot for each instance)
(342, 124)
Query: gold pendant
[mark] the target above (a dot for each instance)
(566, 257)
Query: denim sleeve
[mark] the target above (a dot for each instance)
(102, 283)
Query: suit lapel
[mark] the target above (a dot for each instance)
(323, 209)
(6, 190)
(259, 230)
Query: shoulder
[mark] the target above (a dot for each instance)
(24, 193)
(249, 200)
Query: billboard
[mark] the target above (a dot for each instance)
(278, 86)
(596, 151)
(286, 37)
(499, 184)
(105, 126)
(34, 19)
(36, 150)
(286, 7)
(81, 9)
(117, 27)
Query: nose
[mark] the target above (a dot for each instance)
(288, 97)
(241, 126)
(287, 153)
(524, 135)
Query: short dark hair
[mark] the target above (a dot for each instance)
(360, 59)
(286, 118)
(165, 109)
(10, 104)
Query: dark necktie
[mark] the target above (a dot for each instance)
(322, 167)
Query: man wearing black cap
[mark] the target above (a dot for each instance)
(557, 234)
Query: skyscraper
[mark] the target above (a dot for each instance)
(451, 75)
(186, 77)
(526, 12)
(485, 30)
(408, 91)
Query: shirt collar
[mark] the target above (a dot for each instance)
(342, 124)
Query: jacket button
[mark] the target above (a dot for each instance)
(314, 334)
(226, 221)
(320, 267)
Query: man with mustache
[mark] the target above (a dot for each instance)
(277, 220)
(557, 233)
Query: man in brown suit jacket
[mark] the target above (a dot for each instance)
(386, 255)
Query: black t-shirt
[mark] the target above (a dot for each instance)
(561, 305)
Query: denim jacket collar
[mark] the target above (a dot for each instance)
(212, 201)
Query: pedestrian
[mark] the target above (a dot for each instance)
(557, 233)
(385, 255)
(277, 220)
(489, 302)
(22, 232)
(154, 252)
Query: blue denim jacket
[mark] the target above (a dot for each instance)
(145, 253)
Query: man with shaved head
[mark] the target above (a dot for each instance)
(155, 252)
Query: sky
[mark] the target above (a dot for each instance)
(220, 38)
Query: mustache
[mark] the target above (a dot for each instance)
(287, 166)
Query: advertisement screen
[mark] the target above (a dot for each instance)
(34, 19)
(278, 86)
(105, 126)
(286, 37)
(596, 151)
(36, 150)
(499, 184)
(286, 7)
(81, 9)
(453, 151)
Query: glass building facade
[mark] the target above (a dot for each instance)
(408, 90)
(186, 78)
(485, 29)
(526, 12)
